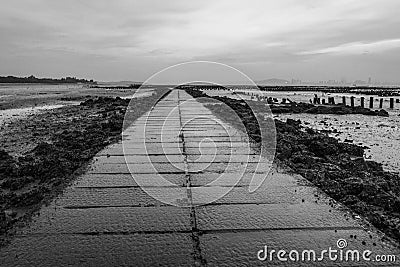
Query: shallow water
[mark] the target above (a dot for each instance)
(50, 96)
(28, 95)
(9, 90)
(140, 93)
(9, 115)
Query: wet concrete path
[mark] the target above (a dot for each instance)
(107, 218)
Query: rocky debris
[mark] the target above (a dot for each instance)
(7, 164)
(338, 168)
(295, 123)
(110, 102)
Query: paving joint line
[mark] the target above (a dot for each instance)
(198, 258)
(201, 232)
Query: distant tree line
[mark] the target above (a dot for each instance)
(33, 79)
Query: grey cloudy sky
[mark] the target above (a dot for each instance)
(131, 40)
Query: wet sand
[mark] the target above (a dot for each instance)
(9, 115)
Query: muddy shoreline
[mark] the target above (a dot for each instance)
(338, 168)
(43, 153)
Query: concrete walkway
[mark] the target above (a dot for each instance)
(107, 219)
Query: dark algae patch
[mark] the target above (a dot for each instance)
(338, 168)
(42, 154)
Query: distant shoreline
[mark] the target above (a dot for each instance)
(34, 80)
(58, 83)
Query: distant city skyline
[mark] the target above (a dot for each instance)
(131, 40)
(368, 81)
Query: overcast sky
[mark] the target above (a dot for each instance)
(131, 40)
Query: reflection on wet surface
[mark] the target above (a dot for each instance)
(109, 218)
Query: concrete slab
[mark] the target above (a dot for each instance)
(119, 197)
(150, 167)
(99, 250)
(271, 216)
(241, 248)
(127, 180)
(158, 150)
(110, 220)
(120, 159)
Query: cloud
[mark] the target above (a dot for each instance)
(138, 33)
(357, 48)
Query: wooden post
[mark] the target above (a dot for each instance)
(315, 101)
(362, 101)
(344, 100)
(352, 101)
(371, 102)
(392, 103)
(381, 103)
